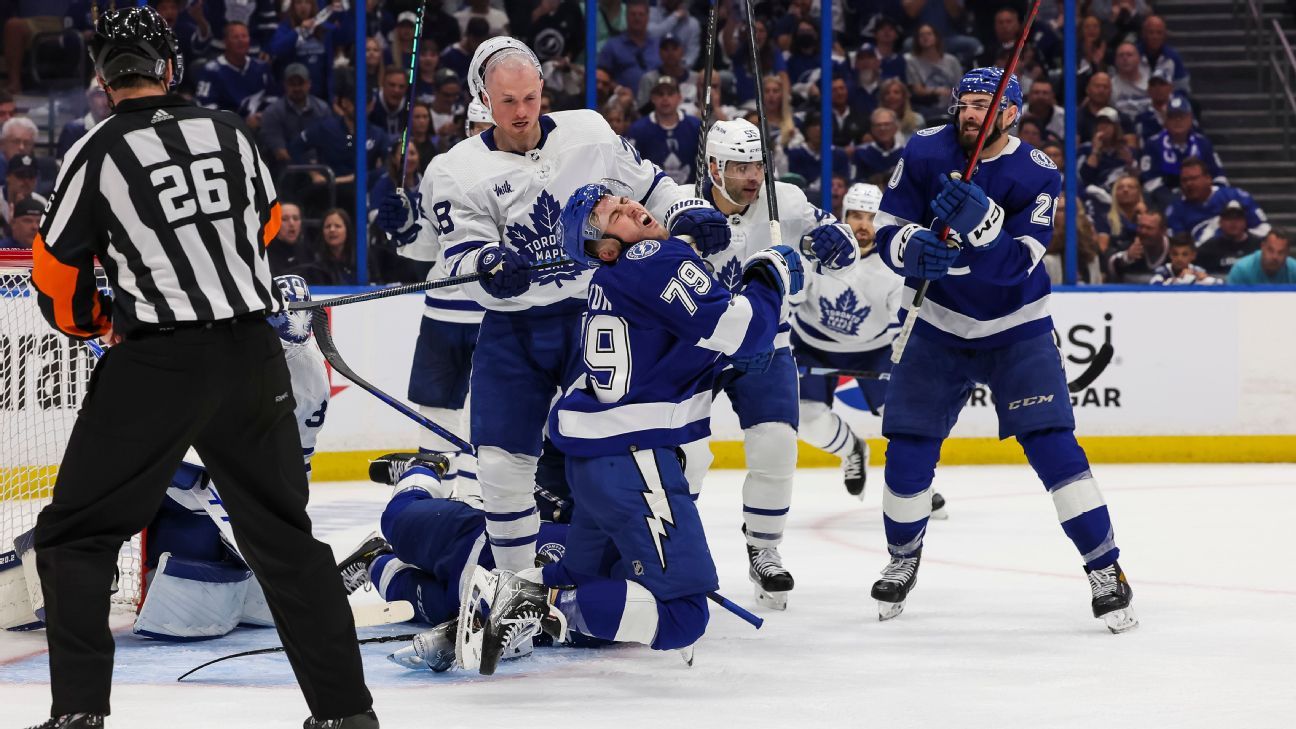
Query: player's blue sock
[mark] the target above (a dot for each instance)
(906, 503)
(625, 611)
(396, 580)
(1061, 464)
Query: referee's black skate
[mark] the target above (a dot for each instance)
(388, 468)
(771, 579)
(73, 721)
(1112, 598)
(855, 468)
(898, 578)
(520, 611)
(355, 568)
(367, 720)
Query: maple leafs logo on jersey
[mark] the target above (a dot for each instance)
(842, 315)
(542, 242)
(731, 275)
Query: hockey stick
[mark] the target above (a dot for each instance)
(440, 283)
(834, 372)
(736, 609)
(992, 118)
(281, 649)
(704, 169)
(776, 233)
(320, 326)
(409, 100)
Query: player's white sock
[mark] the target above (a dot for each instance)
(824, 429)
(697, 461)
(767, 490)
(512, 521)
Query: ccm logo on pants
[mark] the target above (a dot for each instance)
(1028, 401)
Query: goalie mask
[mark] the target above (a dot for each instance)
(736, 143)
(294, 327)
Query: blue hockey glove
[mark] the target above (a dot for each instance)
(696, 218)
(398, 216)
(833, 246)
(975, 217)
(923, 253)
(778, 266)
(504, 272)
(751, 364)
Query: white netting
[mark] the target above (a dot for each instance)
(43, 376)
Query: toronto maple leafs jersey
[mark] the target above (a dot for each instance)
(857, 312)
(482, 195)
(656, 326)
(990, 297)
(750, 233)
(452, 303)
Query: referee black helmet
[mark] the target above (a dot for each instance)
(135, 41)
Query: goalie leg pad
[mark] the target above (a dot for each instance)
(767, 490)
(16, 611)
(192, 600)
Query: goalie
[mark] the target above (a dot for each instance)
(197, 582)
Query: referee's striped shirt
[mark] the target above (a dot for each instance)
(177, 205)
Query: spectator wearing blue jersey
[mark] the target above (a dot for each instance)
(429, 62)
(804, 157)
(96, 111)
(1164, 152)
(671, 51)
(1272, 264)
(629, 55)
(666, 136)
(1160, 91)
(803, 56)
(886, 39)
(672, 17)
(1197, 208)
(769, 58)
(848, 125)
(457, 57)
(283, 121)
(387, 110)
(234, 81)
(1107, 156)
(868, 79)
(330, 141)
(1159, 56)
(299, 39)
(878, 157)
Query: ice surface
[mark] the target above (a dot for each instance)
(996, 634)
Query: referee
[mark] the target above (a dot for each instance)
(177, 205)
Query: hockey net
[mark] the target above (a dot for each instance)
(43, 377)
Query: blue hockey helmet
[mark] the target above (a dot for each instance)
(985, 80)
(576, 224)
(294, 327)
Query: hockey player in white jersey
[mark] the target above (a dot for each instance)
(496, 203)
(764, 393)
(448, 330)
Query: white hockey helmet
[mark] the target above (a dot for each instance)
(731, 141)
(862, 197)
(489, 49)
(477, 114)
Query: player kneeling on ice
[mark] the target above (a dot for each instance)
(986, 322)
(847, 322)
(658, 330)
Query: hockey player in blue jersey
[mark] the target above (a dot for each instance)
(985, 320)
(766, 400)
(496, 203)
(658, 326)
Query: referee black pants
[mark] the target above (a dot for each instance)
(224, 389)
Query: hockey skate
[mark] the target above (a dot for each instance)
(938, 507)
(519, 611)
(772, 581)
(367, 720)
(388, 469)
(355, 568)
(432, 649)
(898, 578)
(855, 468)
(1112, 598)
(73, 721)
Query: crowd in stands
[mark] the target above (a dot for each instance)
(1151, 183)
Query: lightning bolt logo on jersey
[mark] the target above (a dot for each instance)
(654, 495)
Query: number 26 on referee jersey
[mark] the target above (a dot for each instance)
(209, 191)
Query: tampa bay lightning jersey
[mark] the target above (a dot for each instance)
(482, 195)
(856, 312)
(990, 297)
(1201, 220)
(750, 232)
(656, 326)
(452, 303)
